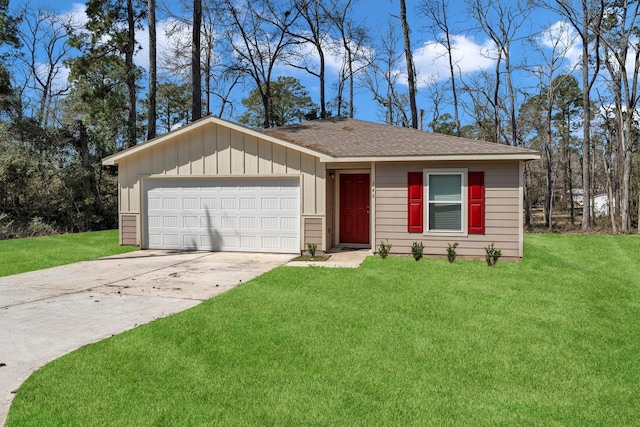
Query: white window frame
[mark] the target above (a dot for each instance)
(462, 172)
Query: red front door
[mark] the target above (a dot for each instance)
(354, 208)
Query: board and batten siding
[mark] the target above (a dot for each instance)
(217, 151)
(503, 212)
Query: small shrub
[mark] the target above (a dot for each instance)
(37, 227)
(384, 249)
(492, 255)
(417, 249)
(312, 248)
(451, 251)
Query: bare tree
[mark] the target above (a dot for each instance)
(584, 17)
(618, 36)
(382, 77)
(500, 20)
(259, 36)
(216, 73)
(553, 56)
(314, 32)
(437, 13)
(353, 38)
(411, 74)
(45, 38)
(130, 79)
(153, 67)
(196, 75)
(485, 106)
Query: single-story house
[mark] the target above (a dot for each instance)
(216, 185)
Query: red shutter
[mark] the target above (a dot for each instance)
(416, 212)
(476, 202)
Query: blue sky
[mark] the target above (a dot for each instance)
(474, 49)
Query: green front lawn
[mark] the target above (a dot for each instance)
(35, 253)
(554, 340)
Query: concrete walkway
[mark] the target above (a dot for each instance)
(48, 313)
(339, 258)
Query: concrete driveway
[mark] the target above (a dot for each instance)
(46, 314)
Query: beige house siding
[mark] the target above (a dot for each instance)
(313, 231)
(128, 230)
(215, 150)
(503, 221)
(330, 213)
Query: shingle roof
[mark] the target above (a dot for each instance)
(343, 137)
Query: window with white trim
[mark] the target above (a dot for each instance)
(445, 194)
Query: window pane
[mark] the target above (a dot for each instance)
(445, 188)
(445, 217)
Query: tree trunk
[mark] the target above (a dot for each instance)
(512, 98)
(153, 79)
(196, 75)
(548, 160)
(496, 99)
(549, 189)
(610, 201)
(266, 103)
(569, 173)
(323, 107)
(410, 70)
(626, 187)
(351, 84)
(586, 127)
(131, 75)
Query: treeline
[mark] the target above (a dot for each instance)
(74, 89)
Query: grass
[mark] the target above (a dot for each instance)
(22, 255)
(553, 340)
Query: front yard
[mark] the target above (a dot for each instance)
(36, 253)
(553, 340)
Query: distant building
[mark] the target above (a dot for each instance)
(599, 202)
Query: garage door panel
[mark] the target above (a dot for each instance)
(190, 203)
(207, 222)
(207, 203)
(247, 204)
(170, 222)
(248, 223)
(170, 240)
(289, 204)
(223, 214)
(170, 203)
(229, 223)
(227, 203)
(190, 222)
(269, 204)
(289, 223)
(290, 243)
(248, 242)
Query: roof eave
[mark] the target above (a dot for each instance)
(442, 157)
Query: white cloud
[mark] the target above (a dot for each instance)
(163, 42)
(77, 14)
(563, 39)
(78, 17)
(334, 57)
(432, 62)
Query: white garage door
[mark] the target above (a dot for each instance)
(253, 215)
